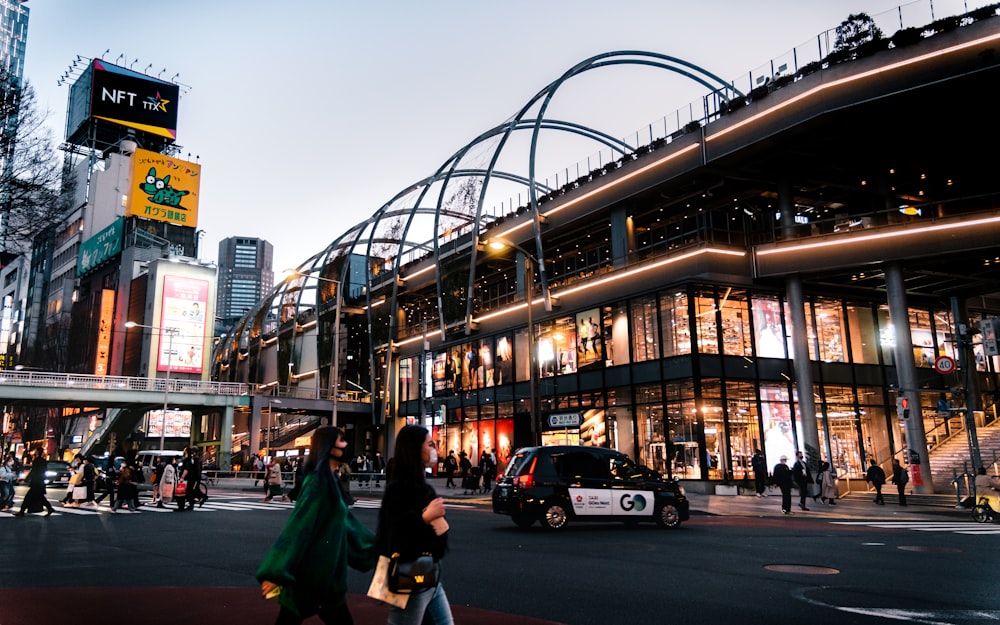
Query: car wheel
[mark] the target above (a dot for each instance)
(555, 517)
(522, 521)
(668, 516)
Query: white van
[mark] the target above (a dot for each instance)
(146, 460)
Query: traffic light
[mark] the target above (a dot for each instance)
(903, 407)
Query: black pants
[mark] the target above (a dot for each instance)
(786, 498)
(803, 493)
(761, 483)
(878, 493)
(901, 489)
(451, 479)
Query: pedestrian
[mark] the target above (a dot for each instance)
(464, 466)
(258, 470)
(488, 464)
(75, 479)
(168, 481)
(378, 467)
(803, 478)
(306, 567)
(89, 480)
(191, 473)
(273, 480)
(7, 478)
(876, 477)
(827, 480)
(759, 466)
(126, 485)
(782, 477)
(156, 477)
(412, 522)
(450, 466)
(34, 500)
(110, 478)
(900, 477)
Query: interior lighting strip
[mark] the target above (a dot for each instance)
(880, 236)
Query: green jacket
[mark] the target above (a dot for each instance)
(310, 557)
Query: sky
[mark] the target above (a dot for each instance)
(307, 117)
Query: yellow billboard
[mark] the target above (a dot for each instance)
(164, 188)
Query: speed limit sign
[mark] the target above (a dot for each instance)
(944, 364)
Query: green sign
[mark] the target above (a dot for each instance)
(99, 248)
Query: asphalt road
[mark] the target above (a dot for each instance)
(745, 568)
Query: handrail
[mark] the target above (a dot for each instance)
(119, 383)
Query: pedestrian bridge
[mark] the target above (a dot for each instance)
(42, 388)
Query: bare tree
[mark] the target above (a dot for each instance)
(32, 190)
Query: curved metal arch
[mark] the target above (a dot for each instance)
(549, 92)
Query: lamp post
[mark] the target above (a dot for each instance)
(530, 262)
(336, 337)
(171, 333)
(270, 422)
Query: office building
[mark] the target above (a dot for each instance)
(245, 276)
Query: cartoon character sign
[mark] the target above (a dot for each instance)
(164, 188)
(159, 190)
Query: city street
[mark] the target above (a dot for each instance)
(854, 562)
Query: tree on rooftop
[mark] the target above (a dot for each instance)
(857, 30)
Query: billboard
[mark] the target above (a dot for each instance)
(163, 188)
(182, 312)
(104, 331)
(123, 97)
(101, 247)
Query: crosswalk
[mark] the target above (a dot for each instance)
(954, 527)
(215, 503)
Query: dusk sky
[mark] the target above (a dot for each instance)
(307, 117)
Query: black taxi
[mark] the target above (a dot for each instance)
(560, 484)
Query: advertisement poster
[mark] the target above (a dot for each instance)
(590, 343)
(164, 188)
(182, 322)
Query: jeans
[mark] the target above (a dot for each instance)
(6, 494)
(430, 606)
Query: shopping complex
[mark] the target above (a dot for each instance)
(807, 261)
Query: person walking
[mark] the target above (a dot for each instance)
(7, 477)
(900, 477)
(258, 471)
(450, 466)
(89, 480)
(759, 466)
(156, 477)
(110, 478)
(488, 464)
(803, 478)
(75, 479)
(168, 482)
(306, 567)
(35, 497)
(191, 473)
(126, 485)
(464, 466)
(782, 476)
(273, 481)
(412, 522)
(876, 477)
(827, 480)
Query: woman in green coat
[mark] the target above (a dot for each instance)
(307, 565)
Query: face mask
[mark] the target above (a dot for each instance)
(434, 457)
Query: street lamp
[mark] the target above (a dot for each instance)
(270, 422)
(171, 333)
(530, 262)
(336, 335)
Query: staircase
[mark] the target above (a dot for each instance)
(951, 458)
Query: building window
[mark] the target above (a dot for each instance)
(645, 339)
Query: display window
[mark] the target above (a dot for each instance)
(645, 337)
(675, 327)
(705, 320)
(735, 314)
(768, 333)
(830, 330)
(590, 351)
(863, 332)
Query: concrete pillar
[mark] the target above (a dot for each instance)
(226, 440)
(255, 403)
(906, 372)
(803, 373)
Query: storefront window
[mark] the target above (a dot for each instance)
(843, 418)
(735, 324)
(655, 451)
(557, 347)
(922, 338)
(744, 430)
(676, 330)
(618, 351)
(779, 439)
(522, 359)
(830, 330)
(683, 427)
(886, 338)
(645, 339)
(864, 337)
(503, 360)
(769, 335)
(943, 325)
(408, 383)
(704, 313)
(810, 329)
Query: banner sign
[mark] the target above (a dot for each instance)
(164, 188)
(134, 100)
(182, 321)
(101, 247)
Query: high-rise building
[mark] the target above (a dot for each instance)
(245, 276)
(13, 35)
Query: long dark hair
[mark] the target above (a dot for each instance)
(318, 461)
(408, 459)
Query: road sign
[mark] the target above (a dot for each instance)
(944, 364)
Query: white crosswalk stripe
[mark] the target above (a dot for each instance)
(955, 527)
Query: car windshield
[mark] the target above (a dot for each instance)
(515, 464)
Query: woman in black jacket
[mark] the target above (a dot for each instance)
(411, 522)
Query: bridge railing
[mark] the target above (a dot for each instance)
(119, 383)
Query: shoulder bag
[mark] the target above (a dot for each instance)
(410, 576)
